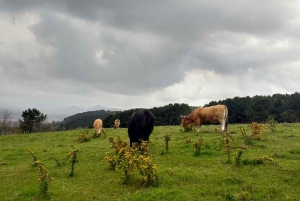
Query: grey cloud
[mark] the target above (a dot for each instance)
(74, 58)
(140, 47)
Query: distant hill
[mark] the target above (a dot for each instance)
(84, 119)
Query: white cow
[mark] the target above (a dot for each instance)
(98, 126)
(117, 123)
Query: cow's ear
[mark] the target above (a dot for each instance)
(182, 116)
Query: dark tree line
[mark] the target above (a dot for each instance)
(166, 115)
(283, 107)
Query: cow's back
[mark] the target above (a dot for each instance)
(211, 114)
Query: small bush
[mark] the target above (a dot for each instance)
(188, 140)
(238, 157)
(248, 139)
(227, 144)
(129, 159)
(167, 140)
(271, 123)
(83, 137)
(117, 144)
(73, 155)
(33, 156)
(197, 146)
(43, 178)
(256, 130)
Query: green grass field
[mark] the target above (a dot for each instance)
(181, 174)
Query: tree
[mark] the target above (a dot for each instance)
(5, 123)
(32, 118)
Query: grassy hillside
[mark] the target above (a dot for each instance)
(182, 175)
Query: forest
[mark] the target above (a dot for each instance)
(283, 107)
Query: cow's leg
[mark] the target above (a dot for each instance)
(223, 127)
(223, 124)
(198, 128)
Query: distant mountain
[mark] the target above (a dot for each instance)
(65, 111)
(53, 115)
(99, 107)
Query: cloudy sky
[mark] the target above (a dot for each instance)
(132, 54)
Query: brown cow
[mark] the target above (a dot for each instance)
(98, 126)
(117, 123)
(213, 114)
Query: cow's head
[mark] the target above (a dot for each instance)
(97, 130)
(184, 121)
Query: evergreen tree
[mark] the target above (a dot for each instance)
(31, 118)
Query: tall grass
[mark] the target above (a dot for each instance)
(181, 174)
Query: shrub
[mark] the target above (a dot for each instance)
(73, 154)
(83, 137)
(238, 157)
(256, 130)
(33, 156)
(43, 175)
(246, 137)
(197, 146)
(129, 159)
(117, 144)
(271, 123)
(167, 139)
(43, 178)
(227, 143)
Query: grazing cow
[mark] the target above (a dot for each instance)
(213, 114)
(117, 123)
(98, 126)
(140, 126)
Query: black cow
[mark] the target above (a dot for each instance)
(140, 126)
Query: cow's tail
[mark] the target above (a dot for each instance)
(225, 118)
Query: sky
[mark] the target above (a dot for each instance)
(145, 54)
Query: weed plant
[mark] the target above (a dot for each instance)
(256, 130)
(33, 157)
(247, 138)
(238, 157)
(43, 178)
(73, 155)
(197, 146)
(128, 159)
(82, 137)
(188, 140)
(271, 123)
(227, 144)
(167, 140)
